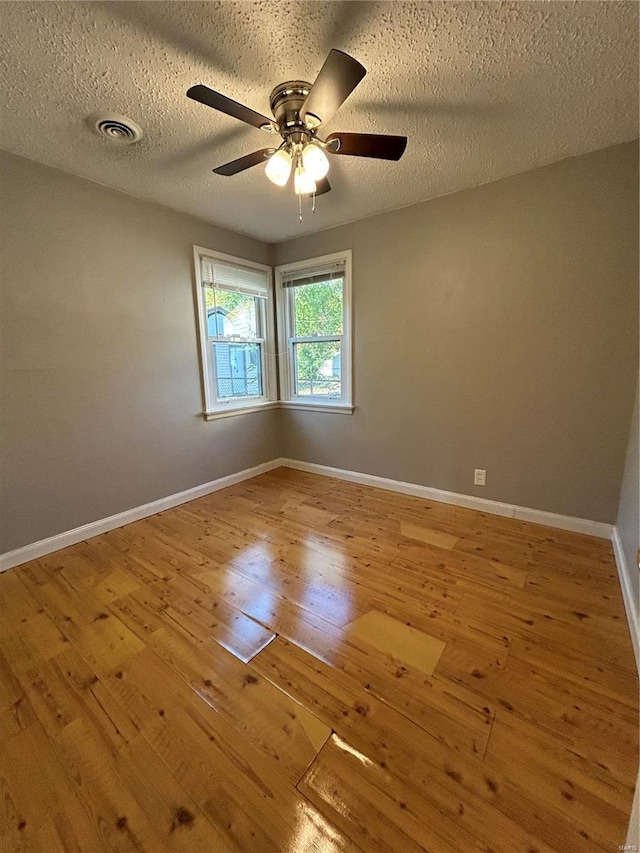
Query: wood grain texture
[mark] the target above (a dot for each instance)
(302, 665)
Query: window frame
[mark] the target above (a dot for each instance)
(213, 407)
(286, 340)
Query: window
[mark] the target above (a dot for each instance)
(314, 302)
(236, 333)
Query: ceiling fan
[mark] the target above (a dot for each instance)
(299, 109)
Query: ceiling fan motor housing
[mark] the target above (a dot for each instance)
(299, 109)
(286, 101)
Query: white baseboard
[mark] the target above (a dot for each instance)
(633, 835)
(94, 528)
(536, 516)
(630, 602)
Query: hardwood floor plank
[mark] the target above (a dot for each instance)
(605, 730)
(69, 831)
(586, 670)
(420, 760)
(306, 514)
(375, 809)
(99, 637)
(113, 807)
(319, 580)
(178, 820)
(550, 769)
(203, 617)
(242, 789)
(84, 570)
(582, 593)
(592, 660)
(264, 716)
(466, 662)
(16, 712)
(38, 800)
(517, 552)
(114, 550)
(400, 685)
(469, 572)
(29, 794)
(326, 600)
(29, 620)
(428, 535)
(527, 618)
(340, 698)
(198, 616)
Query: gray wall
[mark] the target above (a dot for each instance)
(100, 394)
(495, 328)
(628, 522)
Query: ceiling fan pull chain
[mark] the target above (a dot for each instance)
(313, 202)
(300, 209)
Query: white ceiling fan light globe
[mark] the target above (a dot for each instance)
(303, 182)
(315, 161)
(278, 167)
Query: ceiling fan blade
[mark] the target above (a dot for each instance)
(207, 96)
(322, 186)
(337, 79)
(246, 162)
(378, 145)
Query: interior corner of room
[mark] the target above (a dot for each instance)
(495, 327)
(476, 344)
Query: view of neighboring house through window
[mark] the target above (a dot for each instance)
(238, 365)
(315, 315)
(235, 328)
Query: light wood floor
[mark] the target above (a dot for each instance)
(302, 665)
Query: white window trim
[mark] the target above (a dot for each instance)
(212, 408)
(289, 400)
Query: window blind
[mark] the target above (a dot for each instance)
(237, 279)
(314, 275)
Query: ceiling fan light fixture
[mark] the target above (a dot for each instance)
(315, 161)
(303, 182)
(299, 109)
(278, 167)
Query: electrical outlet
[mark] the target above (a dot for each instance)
(480, 477)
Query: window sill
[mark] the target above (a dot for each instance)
(334, 408)
(232, 411)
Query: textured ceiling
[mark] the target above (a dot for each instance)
(482, 90)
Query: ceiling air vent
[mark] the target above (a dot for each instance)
(115, 128)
